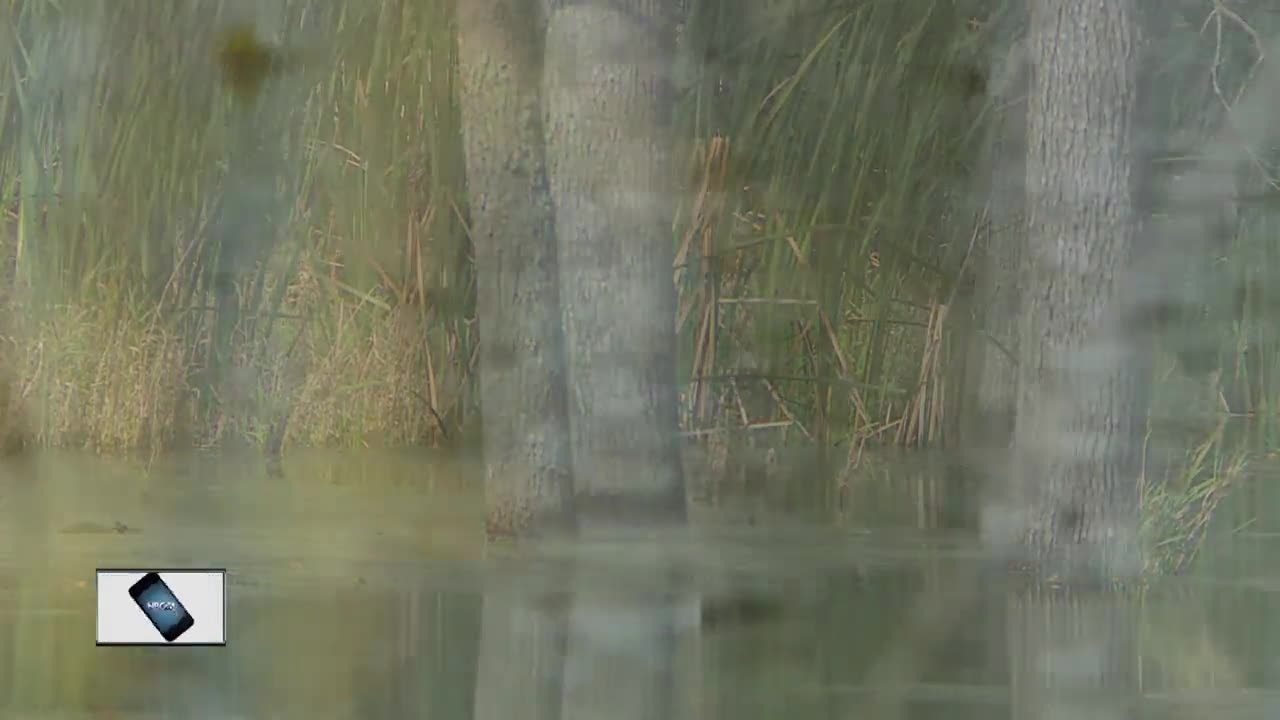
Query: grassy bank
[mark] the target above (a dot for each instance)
(136, 185)
(115, 202)
(184, 266)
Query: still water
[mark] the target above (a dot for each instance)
(358, 584)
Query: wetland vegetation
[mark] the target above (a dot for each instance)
(257, 263)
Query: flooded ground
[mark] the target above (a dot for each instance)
(357, 586)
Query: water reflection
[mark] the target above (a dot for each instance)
(359, 588)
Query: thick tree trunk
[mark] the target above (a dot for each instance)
(1081, 400)
(527, 463)
(609, 136)
(522, 369)
(1081, 381)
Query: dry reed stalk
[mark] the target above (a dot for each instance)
(711, 162)
(922, 417)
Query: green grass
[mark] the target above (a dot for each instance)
(340, 190)
(826, 218)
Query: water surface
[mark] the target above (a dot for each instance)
(356, 584)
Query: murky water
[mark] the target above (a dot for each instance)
(358, 584)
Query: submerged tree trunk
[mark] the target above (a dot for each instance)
(1081, 401)
(1081, 380)
(592, 96)
(527, 464)
(522, 367)
(609, 136)
(609, 139)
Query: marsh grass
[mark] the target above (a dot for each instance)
(822, 236)
(1179, 503)
(347, 317)
(816, 237)
(127, 381)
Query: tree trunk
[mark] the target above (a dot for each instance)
(1081, 401)
(522, 369)
(609, 136)
(527, 470)
(1081, 381)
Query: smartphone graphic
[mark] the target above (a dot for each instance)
(161, 606)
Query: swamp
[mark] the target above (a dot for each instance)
(644, 359)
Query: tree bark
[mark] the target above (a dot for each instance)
(1081, 398)
(609, 134)
(1081, 395)
(608, 97)
(527, 463)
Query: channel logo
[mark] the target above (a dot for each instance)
(162, 607)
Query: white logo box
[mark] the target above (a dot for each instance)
(201, 592)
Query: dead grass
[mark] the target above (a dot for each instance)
(121, 382)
